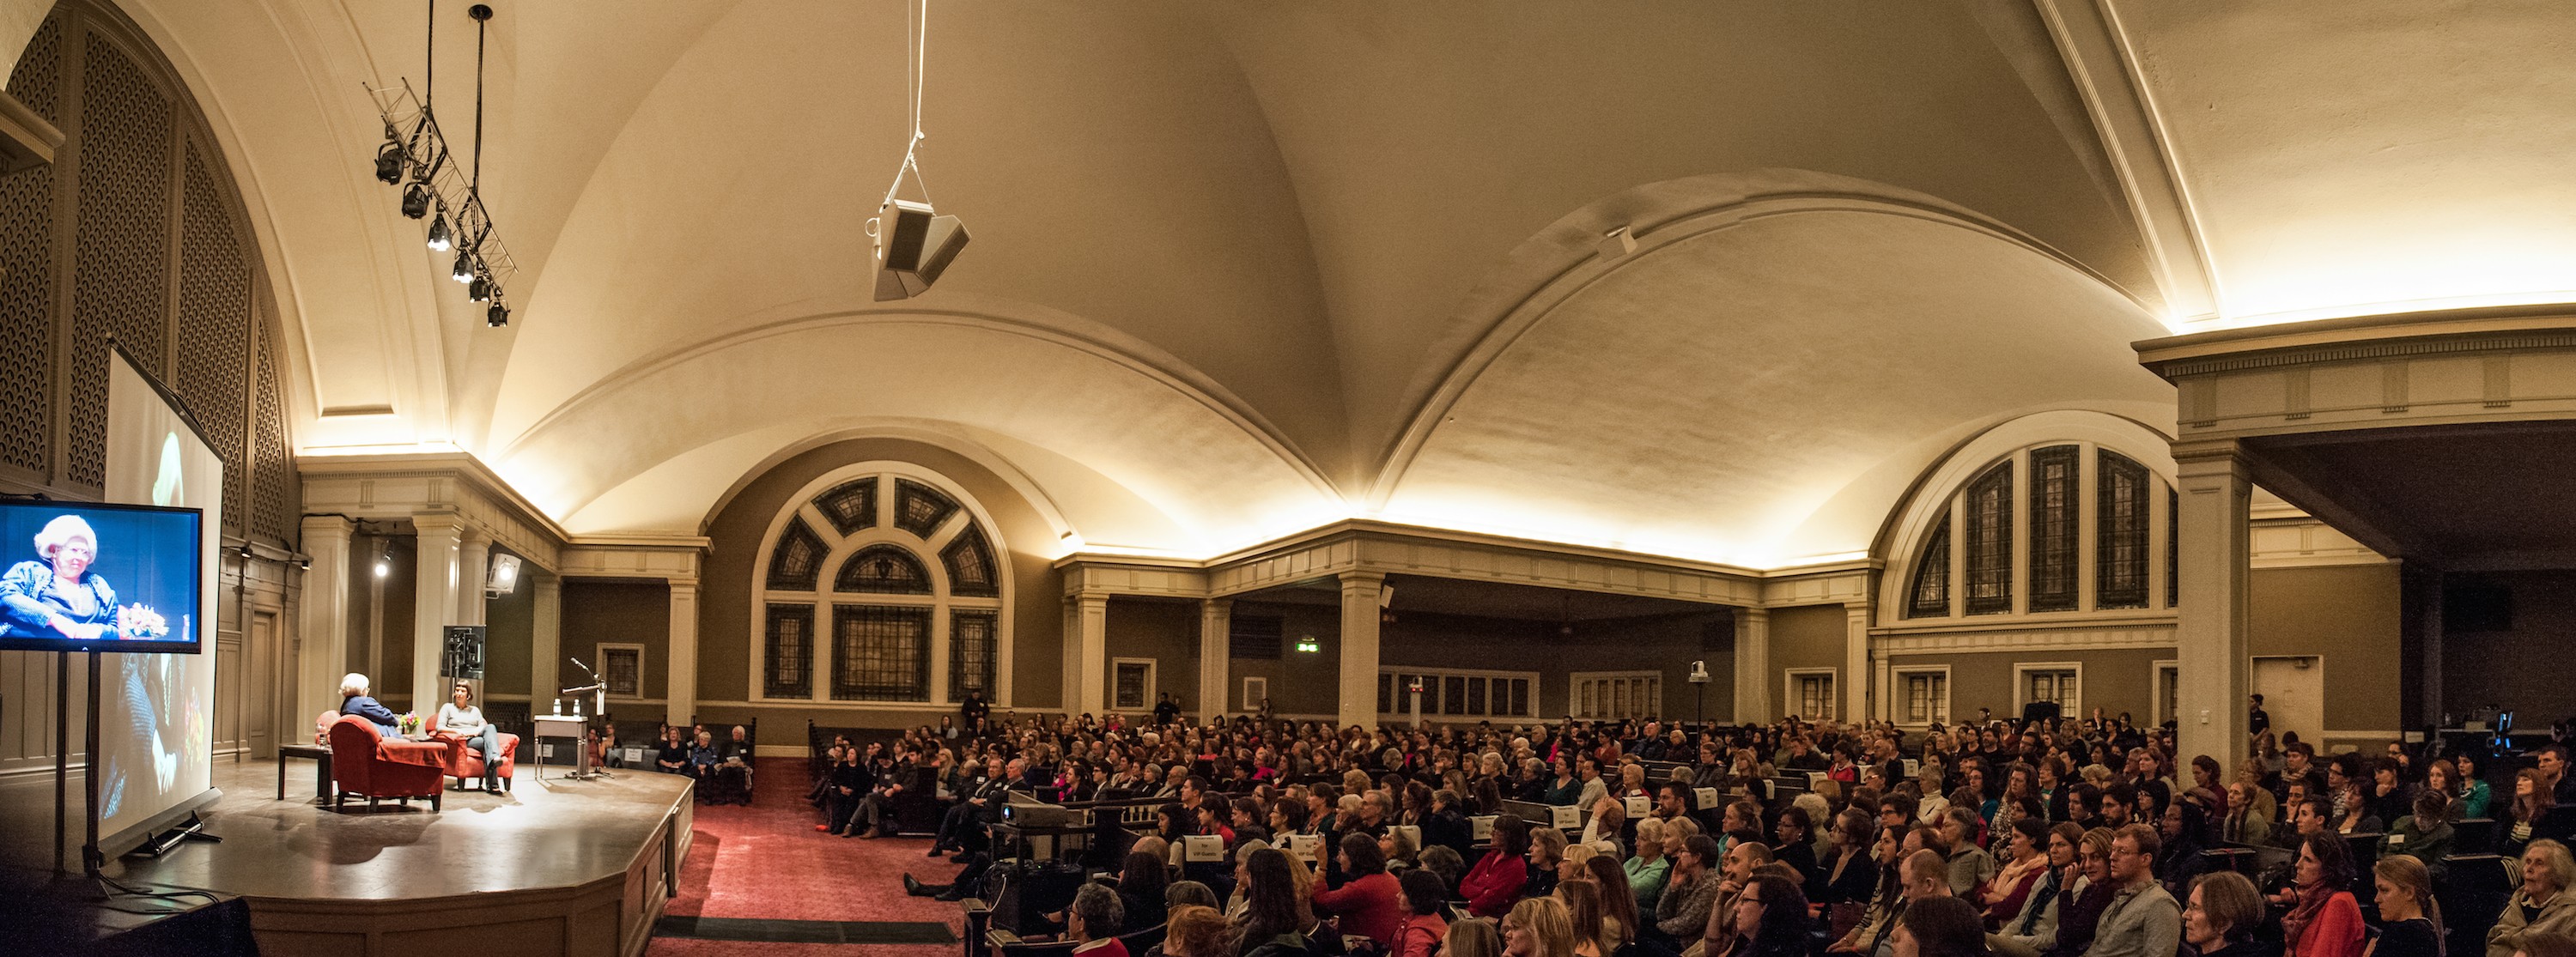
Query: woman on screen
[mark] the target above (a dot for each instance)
(59, 597)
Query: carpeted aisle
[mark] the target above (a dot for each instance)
(765, 861)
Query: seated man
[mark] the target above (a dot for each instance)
(733, 766)
(354, 700)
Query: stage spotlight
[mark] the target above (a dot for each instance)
(913, 246)
(416, 200)
(385, 562)
(438, 238)
(389, 163)
(464, 271)
(497, 316)
(478, 290)
(504, 578)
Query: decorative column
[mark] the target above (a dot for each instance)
(434, 580)
(545, 644)
(322, 644)
(1216, 625)
(1753, 666)
(473, 565)
(2212, 622)
(1855, 689)
(1362, 593)
(680, 695)
(1086, 643)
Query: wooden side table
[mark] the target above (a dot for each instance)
(321, 757)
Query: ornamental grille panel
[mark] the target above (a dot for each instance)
(2120, 577)
(2053, 527)
(789, 643)
(1930, 595)
(880, 654)
(970, 565)
(121, 251)
(920, 509)
(883, 570)
(35, 81)
(214, 328)
(850, 506)
(274, 498)
(27, 313)
(974, 652)
(1990, 534)
(796, 562)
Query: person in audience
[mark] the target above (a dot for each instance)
(1565, 788)
(2249, 815)
(1682, 912)
(1094, 922)
(2410, 920)
(2034, 928)
(1925, 875)
(2551, 760)
(1180, 894)
(978, 801)
(1272, 908)
(2531, 801)
(1618, 903)
(1538, 927)
(2324, 920)
(2424, 834)
(1446, 824)
(1546, 856)
(1195, 931)
(1472, 938)
(2474, 798)
(1144, 886)
(2182, 828)
(673, 755)
(2142, 919)
(2543, 906)
(1594, 934)
(1650, 867)
(1425, 905)
(1498, 877)
(2223, 916)
(355, 700)
(2080, 909)
(1794, 848)
(1850, 873)
(1939, 927)
(1366, 902)
(2026, 850)
(1970, 865)
(702, 763)
(1769, 920)
(462, 722)
(1445, 864)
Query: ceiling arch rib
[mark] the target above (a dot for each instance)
(1206, 478)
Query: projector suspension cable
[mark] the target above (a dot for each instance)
(920, 25)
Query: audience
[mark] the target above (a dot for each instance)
(2543, 907)
(2324, 920)
(1538, 927)
(1426, 921)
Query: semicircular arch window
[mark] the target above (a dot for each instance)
(2011, 538)
(883, 570)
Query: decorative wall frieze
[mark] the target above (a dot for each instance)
(2064, 638)
(2444, 367)
(397, 487)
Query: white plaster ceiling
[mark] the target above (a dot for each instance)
(1235, 263)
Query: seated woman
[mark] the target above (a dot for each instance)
(1425, 903)
(673, 756)
(702, 759)
(354, 700)
(1366, 902)
(58, 596)
(2324, 920)
(2224, 913)
(2544, 907)
(461, 720)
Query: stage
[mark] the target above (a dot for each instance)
(553, 867)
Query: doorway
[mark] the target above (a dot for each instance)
(2293, 690)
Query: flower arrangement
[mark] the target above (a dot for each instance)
(410, 723)
(137, 621)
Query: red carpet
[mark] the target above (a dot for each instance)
(765, 860)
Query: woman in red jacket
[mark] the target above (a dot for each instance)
(1367, 901)
(2325, 922)
(1495, 884)
(1426, 918)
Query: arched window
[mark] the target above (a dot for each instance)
(2072, 494)
(886, 588)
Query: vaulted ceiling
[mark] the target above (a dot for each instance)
(1241, 267)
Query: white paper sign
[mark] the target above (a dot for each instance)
(1566, 817)
(1640, 807)
(1202, 848)
(1707, 796)
(1305, 846)
(1481, 827)
(1410, 832)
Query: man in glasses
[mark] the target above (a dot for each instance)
(2142, 919)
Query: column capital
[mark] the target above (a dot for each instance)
(2208, 455)
(329, 526)
(682, 586)
(1216, 604)
(1362, 579)
(439, 523)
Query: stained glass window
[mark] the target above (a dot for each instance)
(1990, 529)
(2120, 545)
(851, 505)
(883, 570)
(880, 654)
(920, 509)
(789, 647)
(970, 565)
(973, 652)
(2053, 527)
(797, 560)
(1930, 596)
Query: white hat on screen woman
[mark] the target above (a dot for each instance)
(62, 531)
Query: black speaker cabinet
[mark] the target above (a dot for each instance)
(1026, 891)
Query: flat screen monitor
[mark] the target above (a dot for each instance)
(96, 577)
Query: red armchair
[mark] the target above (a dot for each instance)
(373, 767)
(464, 760)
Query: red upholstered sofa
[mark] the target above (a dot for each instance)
(374, 767)
(465, 761)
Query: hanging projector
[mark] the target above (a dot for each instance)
(913, 246)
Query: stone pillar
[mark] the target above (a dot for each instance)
(1753, 675)
(1855, 678)
(473, 565)
(2428, 605)
(434, 581)
(680, 694)
(2212, 623)
(1362, 593)
(545, 644)
(1216, 625)
(1086, 642)
(322, 644)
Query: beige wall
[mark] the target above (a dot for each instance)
(509, 635)
(1166, 631)
(1300, 682)
(625, 613)
(2113, 680)
(2347, 615)
(725, 587)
